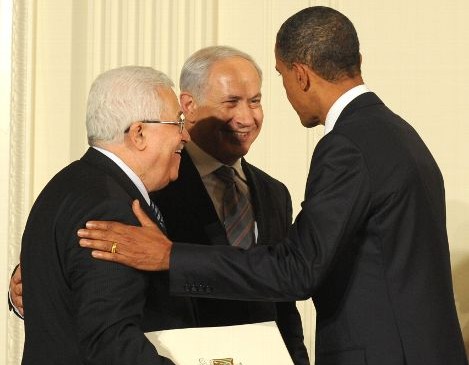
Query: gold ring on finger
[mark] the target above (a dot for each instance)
(114, 247)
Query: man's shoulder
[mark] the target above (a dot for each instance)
(260, 176)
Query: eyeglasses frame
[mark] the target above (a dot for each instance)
(180, 122)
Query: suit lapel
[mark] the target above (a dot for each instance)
(104, 163)
(201, 203)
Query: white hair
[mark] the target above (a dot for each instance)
(195, 71)
(121, 96)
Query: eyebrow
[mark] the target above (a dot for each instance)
(237, 97)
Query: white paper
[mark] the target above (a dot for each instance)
(247, 344)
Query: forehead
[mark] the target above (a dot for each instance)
(233, 73)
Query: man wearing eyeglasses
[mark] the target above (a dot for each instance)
(221, 100)
(369, 246)
(80, 310)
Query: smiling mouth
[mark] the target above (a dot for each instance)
(237, 135)
(179, 151)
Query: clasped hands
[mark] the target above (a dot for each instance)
(143, 248)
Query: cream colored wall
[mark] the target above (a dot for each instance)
(5, 79)
(415, 56)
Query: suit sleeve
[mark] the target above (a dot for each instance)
(109, 298)
(336, 202)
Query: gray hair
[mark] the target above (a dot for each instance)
(120, 97)
(195, 71)
(321, 38)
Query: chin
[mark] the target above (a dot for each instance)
(310, 123)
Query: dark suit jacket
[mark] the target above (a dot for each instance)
(190, 216)
(80, 310)
(369, 246)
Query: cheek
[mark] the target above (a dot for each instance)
(174, 171)
(204, 130)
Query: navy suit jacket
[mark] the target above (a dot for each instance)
(79, 310)
(369, 247)
(190, 216)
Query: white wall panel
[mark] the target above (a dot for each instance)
(20, 168)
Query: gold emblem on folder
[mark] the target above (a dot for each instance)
(226, 361)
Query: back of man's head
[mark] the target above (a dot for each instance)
(196, 69)
(118, 98)
(323, 39)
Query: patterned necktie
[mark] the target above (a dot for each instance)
(157, 213)
(239, 217)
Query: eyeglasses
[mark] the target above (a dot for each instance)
(180, 122)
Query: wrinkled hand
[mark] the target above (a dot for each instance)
(16, 290)
(143, 248)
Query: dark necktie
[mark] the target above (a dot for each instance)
(157, 213)
(239, 217)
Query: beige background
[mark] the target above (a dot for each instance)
(415, 56)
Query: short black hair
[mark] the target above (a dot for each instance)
(322, 38)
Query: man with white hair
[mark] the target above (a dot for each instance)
(221, 100)
(369, 246)
(80, 310)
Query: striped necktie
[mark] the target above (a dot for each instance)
(237, 210)
(157, 214)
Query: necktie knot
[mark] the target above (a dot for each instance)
(226, 174)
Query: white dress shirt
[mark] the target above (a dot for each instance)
(340, 104)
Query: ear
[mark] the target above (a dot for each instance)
(302, 76)
(189, 108)
(188, 105)
(136, 136)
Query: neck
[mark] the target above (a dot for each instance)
(125, 154)
(335, 90)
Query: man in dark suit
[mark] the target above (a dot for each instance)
(369, 245)
(223, 111)
(221, 101)
(80, 310)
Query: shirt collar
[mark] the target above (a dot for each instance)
(128, 171)
(206, 163)
(340, 104)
